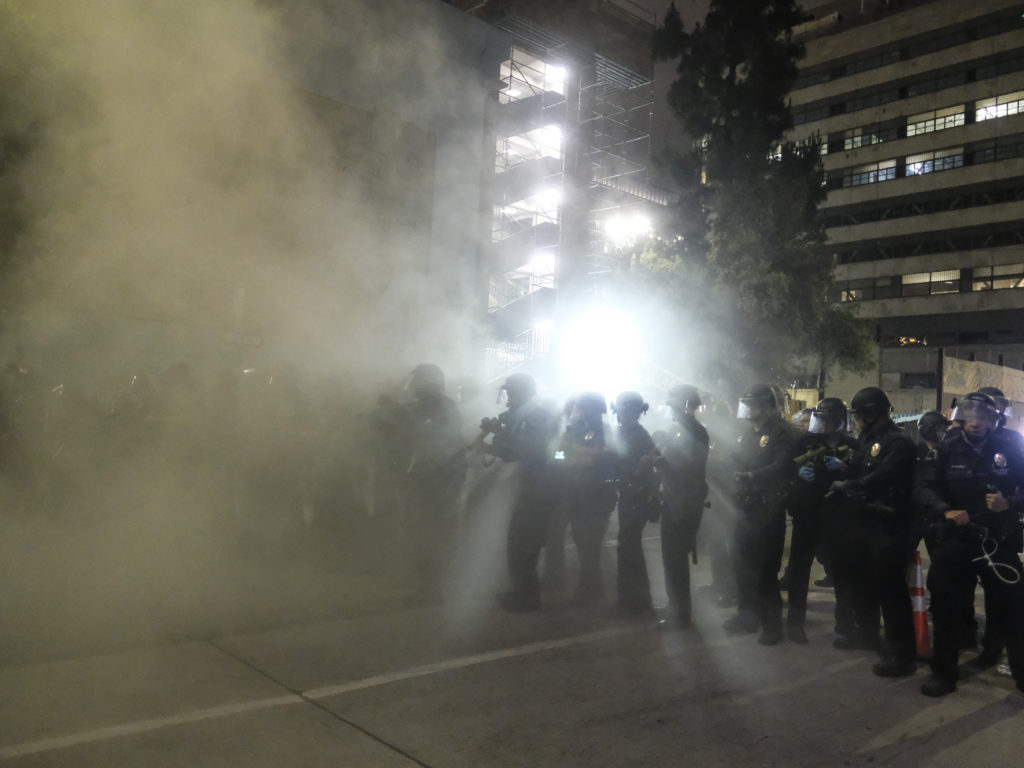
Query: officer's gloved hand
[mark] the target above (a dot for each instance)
(835, 465)
(838, 488)
(806, 473)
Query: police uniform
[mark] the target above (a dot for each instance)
(811, 512)
(586, 477)
(986, 547)
(766, 454)
(637, 504)
(683, 464)
(524, 437)
(434, 478)
(881, 524)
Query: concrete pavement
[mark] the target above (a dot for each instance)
(464, 684)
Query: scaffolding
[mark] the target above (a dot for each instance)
(570, 121)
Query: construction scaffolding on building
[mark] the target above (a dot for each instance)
(572, 183)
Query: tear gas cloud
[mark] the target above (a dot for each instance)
(207, 189)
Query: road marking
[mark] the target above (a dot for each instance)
(468, 661)
(796, 682)
(938, 715)
(143, 726)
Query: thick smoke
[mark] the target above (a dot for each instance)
(226, 242)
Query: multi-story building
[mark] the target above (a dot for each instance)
(572, 128)
(919, 106)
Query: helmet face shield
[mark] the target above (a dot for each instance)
(973, 412)
(752, 409)
(824, 424)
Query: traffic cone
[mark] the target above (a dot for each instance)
(916, 586)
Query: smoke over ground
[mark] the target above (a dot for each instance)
(188, 208)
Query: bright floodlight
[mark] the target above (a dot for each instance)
(623, 229)
(548, 198)
(543, 263)
(555, 76)
(599, 351)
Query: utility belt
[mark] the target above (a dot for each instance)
(1005, 527)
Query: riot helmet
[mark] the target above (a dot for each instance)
(518, 388)
(426, 379)
(630, 401)
(802, 419)
(932, 425)
(1002, 404)
(829, 416)
(870, 405)
(977, 414)
(683, 399)
(757, 402)
(590, 403)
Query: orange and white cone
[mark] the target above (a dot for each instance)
(916, 586)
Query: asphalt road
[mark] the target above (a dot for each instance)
(463, 684)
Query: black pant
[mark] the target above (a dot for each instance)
(848, 537)
(952, 578)
(718, 534)
(890, 557)
(634, 586)
(678, 538)
(804, 543)
(527, 532)
(760, 540)
(588, 526)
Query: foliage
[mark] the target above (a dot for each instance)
(750, 256)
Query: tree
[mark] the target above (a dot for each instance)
(749, 251)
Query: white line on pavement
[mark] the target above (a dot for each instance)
(468, 661)
(796, 682)
(143, 726)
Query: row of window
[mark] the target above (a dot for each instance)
(926, 122)
(932, 82)
(948, 158)
(936, 40)
(991, 278)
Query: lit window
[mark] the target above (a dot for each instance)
(870, 173)
(939, 160)
(931, 283)
(999, 106)
(939, 120)
(998, 277)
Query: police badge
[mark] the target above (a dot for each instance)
(875, 450)
(999, 461)
(764, 441)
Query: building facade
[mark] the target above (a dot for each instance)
(919, 108)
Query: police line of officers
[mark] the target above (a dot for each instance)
(862, 502)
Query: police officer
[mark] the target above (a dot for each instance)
(586, 468)
(682, 468)
(763, 471)
(434, 476)
(818, 463)
(991, 643)
(879, 502)
(718, 528)
(522, 434)
(931, 427)
(638, 504)
(970, 500)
